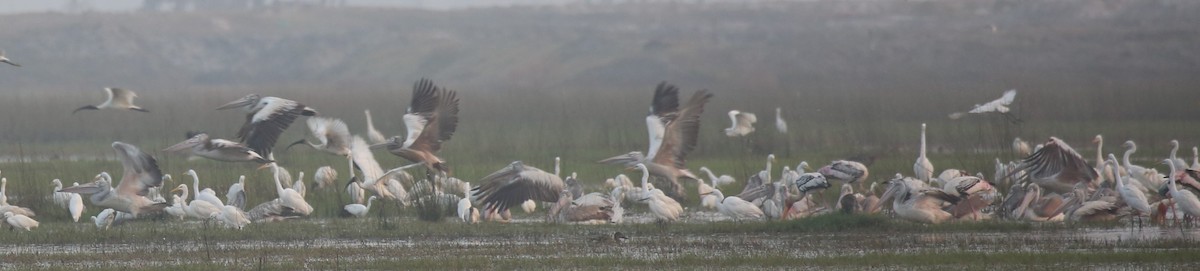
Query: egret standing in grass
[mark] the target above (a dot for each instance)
(117, 99)
(923, 168)
(357, 210)
(20, 221)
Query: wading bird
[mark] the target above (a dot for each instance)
(141, 173)
(232, 217)
(288, 197)
(923, 168)
(431, 119)
(236, 196)
(117, 99)
(267, 118)
(780, 125)
(741, 123)
(374, 135)
(664, 208)
(357, 210)
(20, 221)
(202, 145)
(1057, 167)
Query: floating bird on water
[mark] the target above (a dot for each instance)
(267, 118)
(202, 145)
(117, 99)
(431, 119)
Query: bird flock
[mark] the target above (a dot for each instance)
(1052, 182)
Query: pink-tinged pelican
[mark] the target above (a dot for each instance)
(141, 173)
(431, 119)
(1056, 167)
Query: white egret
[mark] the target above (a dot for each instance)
(288, 197)
(923, 168)
(998, 106)
(75, 206)
(332, 136)
(357, 210)
(664, 208)
(20, 221)
(207, 194)
(466, 213)
(236, 196)
(780, 125)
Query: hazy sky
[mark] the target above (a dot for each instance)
(25, 6)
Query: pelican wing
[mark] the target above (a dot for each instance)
(664, 108)
(1057, 162)
(514, 185)
(262, 128)
(432, 117)
(141, 170)
(121, 97)
(332, 132)
(683, 134)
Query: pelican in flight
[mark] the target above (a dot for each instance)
(332, 136)
(20, 221)
(1057, 167)
(673, 134)
(742, 123)
(217, 149)
(998, 106)
(923, 169)
(129, 196)
(372, 134)
(779, 123)
(6, 60)
(431, 119)
(266, 119)
(118, 98)
(514, 184)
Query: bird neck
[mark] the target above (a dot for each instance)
(278, 184)
(195, 184)
(922, 141)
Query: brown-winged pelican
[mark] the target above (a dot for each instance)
(514, 184)
(431, 119)
(1057, 167)
(680, 135)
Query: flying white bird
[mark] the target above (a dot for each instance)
(998, 106)
(6, 60)
(117, 99)
(742, 123)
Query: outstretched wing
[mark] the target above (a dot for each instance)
(432, 117)
(262, 128)
(683, 134)
(514, 184)
(141, 170)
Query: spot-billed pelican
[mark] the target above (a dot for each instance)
(919, 204)
(117, 99)
(289, 197)
(332, 136)
(431, 120)
(923, 168)
(5, 59)
(567, 209)
(236, 196)
(372, 134)
(324, 177)
(357, 210)
(780, 125)
(680, 132)
(266, 119)
(231, 217)
(514, 184)
(206, 195)
(200, 144)
(20, 221)
(271, 211)
(1057, 167)
(998, 106)
(75, 206)
(1036, 208)
(141, 173)
(741, 123)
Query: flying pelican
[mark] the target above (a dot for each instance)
(357, 210)
(431, 119)
(290, 198)
(846, 170)
(1021, 147)
(466, 213)
(236, 196)
(779, 123)
(1184, 199)
(217, 149)
(75, 205)
(374, 135)
(664, 208)
(141, 173)
(1057, 167)
(20, 221)
(741, 123)
(266, 119)
(207, 194)
(118, 98)
(332, 136)
(999, 106)
(324, 177)
(923, 168)
(680, 135)
(6, 60)
(231, 216)
(515, 184)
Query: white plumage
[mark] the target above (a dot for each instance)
(359, 210)
(20, 221)
(780, 125)
(741, 123)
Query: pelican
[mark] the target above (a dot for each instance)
(845, 170)
(779, 123)
(357, 210)
(515, 184)
(60, 198)
(290, 198)
(141, 173)
(1035, 208)
(374, 135)
(998, 106)
(117, 99)
(1184, 199)
(847, 200)
(231, 216)
(324, 177)
(1021, 147)
(206, 195)
(569, 210)
(923, 168)
(332, 136)
(742, 123)
(773, 206)
(680, 135)
(431, 119)
(75, 205)
(6, 60)
(266, 119)
(919, 204)
(20, 221)
(271, 211)
(236, 196)
(202, 145)
(1057, 167)
(466, 213)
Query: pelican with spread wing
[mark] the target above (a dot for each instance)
(129, 196)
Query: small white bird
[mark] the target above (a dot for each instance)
(118, 98)
(998, 106)
(742, 123)
(358, 210)
(779, 123)
(20, 221)
(6, 60)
